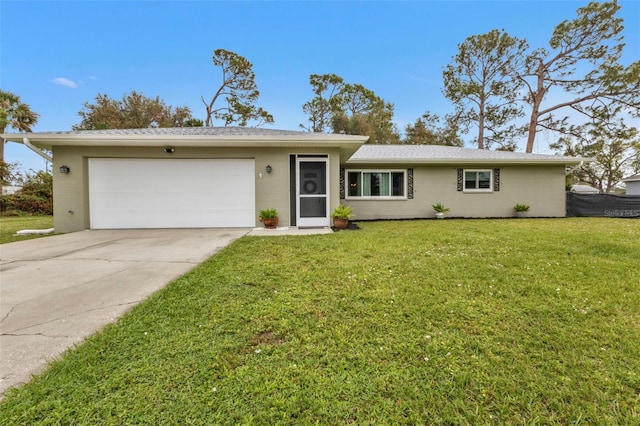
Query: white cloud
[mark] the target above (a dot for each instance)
(65, 82)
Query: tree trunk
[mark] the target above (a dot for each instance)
(536, 101)
(481, 125)
(533, 124)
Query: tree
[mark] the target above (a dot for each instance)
(134, 111)
(239, 91)
(359, 111)
(10, 174)
(614, 148)
(583, 63)
(194, 122)
(320, 108)
(351, 109)
(482, 83)
(427, 130)
(14, 114)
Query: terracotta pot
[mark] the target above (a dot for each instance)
(271, 223)
(340, 223)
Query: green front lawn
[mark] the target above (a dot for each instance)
(10, 225)
(417, 322)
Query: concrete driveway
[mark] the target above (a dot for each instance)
(55, 291)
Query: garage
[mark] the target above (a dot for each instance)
(171, 193)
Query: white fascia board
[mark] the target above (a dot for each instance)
(48, 140)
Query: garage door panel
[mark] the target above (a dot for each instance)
(174, 202)
(183, 219)
(146, 193)
(192, 183)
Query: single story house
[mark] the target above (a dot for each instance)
(632, 185)
(223, 176)
(584, 189)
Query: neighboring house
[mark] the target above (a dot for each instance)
(632, 185)
(10, 189)
(223, 176)
(584, 189)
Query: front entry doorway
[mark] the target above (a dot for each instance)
(312, 192)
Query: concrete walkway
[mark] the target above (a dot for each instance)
(288, 230)
(55, 291)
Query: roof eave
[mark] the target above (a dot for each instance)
(348, 144)
(467, 161)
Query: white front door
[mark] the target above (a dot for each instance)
(312, 189)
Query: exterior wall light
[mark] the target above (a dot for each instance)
(268, 169)
(65, 169)
(169, 150)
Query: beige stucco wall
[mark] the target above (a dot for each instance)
(71, 191)
(541, 187)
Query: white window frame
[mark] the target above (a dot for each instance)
(377, 197)
(464, 180)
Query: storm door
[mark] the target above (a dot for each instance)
(312, 189)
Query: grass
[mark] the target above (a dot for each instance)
(418, 322)
(10, 225)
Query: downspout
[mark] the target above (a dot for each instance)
(37, 150)
(568, 172)
(574, 168)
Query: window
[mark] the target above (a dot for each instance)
(378, 184)
(478, 180)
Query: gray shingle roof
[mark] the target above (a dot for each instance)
(448, 155)
(190, 131)
(632, 178)
(248, 137)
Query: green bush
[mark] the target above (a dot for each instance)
(32, 204)
(35, 197)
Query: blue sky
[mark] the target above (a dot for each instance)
(56, 55)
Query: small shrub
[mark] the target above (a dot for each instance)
(521, 208)
(440, 208)
(268, 214)
(342, 212)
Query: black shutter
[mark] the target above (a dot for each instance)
(410, 184)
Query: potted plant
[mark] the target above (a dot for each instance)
(440, 210)
(521, 210)
(269, 218)
(341, 216)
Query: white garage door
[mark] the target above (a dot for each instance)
(171, 193)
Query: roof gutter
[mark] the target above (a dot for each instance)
(37, 150)
(463, 161)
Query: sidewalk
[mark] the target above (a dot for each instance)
(288, 230)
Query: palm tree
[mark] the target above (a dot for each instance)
(14, 114)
